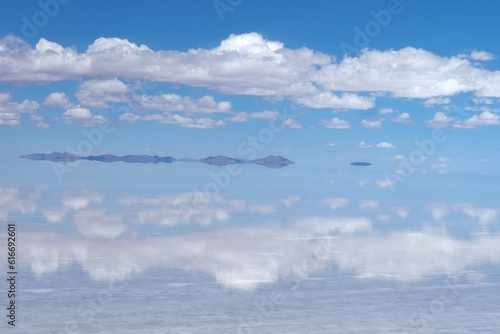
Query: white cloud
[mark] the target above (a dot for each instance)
(10, 112)
(82, 116)
(42, 125)
(440, 120)
(409, 72)
(289, 201)
(239, 117)
(486, 118)
(403, 118)
(385, 145)
(129, 117)
(482, 100)
(335, 203)
(242, 116)
(266, 114)
(336, 123)
(249, 64)
(386, 111)
(371, 124)
(481, 55)
(188, 122)
(398, 157)
(437, 100)
(369, 204)
(362, 144)
(174, 103)
(329, 100)
(57, 99)
(292, 124)
(98, 93)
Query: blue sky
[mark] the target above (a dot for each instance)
(412, 87)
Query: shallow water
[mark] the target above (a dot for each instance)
(115, 248)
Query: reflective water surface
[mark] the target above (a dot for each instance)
(263, 251)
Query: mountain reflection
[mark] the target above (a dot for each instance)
(271, 161)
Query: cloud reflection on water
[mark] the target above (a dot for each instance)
(244, 256)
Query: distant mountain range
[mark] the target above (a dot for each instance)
(272, 161)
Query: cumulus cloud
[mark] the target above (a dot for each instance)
(57, 99)
(336, 123)
(437, 100)
(10, 112)
(481, 55)
(371, 124)
(184, 121)
(440, 120)
(97, 94)
(329, 100)
(486, 118)
(362, 144)
(171, 104)
(475, 121)
(83, 117)
(175, 103)
(292, 124)
(386, 111)
(244, 116)
(249, 64)
(409, 72)
(403, 118)
(385, 145)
